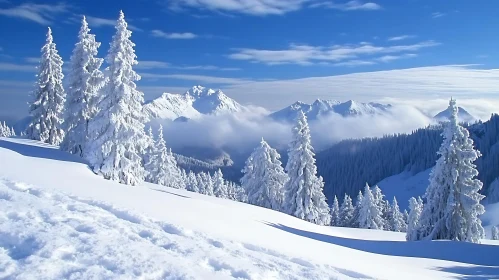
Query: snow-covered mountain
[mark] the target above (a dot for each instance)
(462, 115)
(321, 108)
(194, 103)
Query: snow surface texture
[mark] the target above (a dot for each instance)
(196, 102)
(60, 221)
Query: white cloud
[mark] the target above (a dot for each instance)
(16, 67)
(354, 5)
(32, 59)
(422, 83)
(437, 14)
(98, 22)
(353, 63)
(181, 36)
(196, 78)
(390, 58)
(40, 13)
(267, 7)
(401, 37)
(307, 55)
(144, 64)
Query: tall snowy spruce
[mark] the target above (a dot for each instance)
(264, 178)
(415, 207)
(495, 233)
(347, 212)
(335, 213)
(48, 98)
(219, 186)
(370, 215)
(397, 222)
(158, 171)
(117, 131)
(85, 81)
(304, 196)
(452, 197)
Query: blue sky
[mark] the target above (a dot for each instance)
(239, 45)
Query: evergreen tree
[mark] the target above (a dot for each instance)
(304, 190)
(495, 233)
(369, 213)
(335, 213)
(201, 182)
(397, 222)
(47, 105)
(192, 183)
(356, 212)
(346, 212)
(219, 186)
(158, 171)
(209, 184)
(117, 134)
(453, 199)
(174, 171)
(85, 82)
(406, 216)
(387, 214)
(415, 207)
(12, 132)
(264, 177)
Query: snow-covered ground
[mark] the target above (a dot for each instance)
(60, 221)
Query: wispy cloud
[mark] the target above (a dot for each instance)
(267, 7)
(164, 65)
(32, 59)
(308, 55)
(401, 37)
(354, 5)
(196, 78)
(354, 63)
(437, 14)
(98, 22)
(40, 13)
(390, 58)
(181, 36)
(17, 67)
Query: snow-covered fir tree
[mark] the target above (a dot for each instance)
(495, 233)
(157, 168)
(231, 190)
(386, 214)
(192, 182)
(219, 186)
(149, 150)
(356, 212)
(346, 212)
(264, 177)
(453, 200)
(175, 173)
(85, 82)
(397, 222)
(201, 182)
(6, 131)
(406, 216)
(304, 190)
(209, 183)
(369, 212)
(415, 209)
(116, 133)
(48, 98)
(335, 213)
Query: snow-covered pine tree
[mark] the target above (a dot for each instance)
(264, 177)
(175, 173)
(48, 98)
(148, 151)
(452, 197)
(209, 183)
(231, 190)
(12, 132)
(304, 190)
(369, 213)
(495, 233)
(85, 81)
(158, 171)
(406, 216)
(192, 183)
(356, 212)
(219, 186)
(4, 130)
(415, 207)
(201, 182)
(386, 214)
(116, 133)
(335, 213)
(346, 212)
(397, 222)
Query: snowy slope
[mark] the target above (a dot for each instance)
(194, 103)
(321, 108)
(60, 221)
(462, 115)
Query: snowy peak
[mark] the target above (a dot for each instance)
(462, 115)
(320, 108)
(194, 103)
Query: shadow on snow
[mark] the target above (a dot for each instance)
(31, 148)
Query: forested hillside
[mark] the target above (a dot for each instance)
(349, 164)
